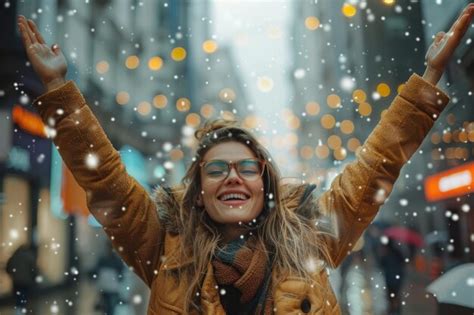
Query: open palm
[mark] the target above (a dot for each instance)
(48, 62)
(444, 45)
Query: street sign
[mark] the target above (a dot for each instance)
(455, 182)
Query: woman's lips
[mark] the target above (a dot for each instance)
(234, 203)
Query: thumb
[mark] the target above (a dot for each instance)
(55, 48)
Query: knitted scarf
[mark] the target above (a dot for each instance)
(243, 271)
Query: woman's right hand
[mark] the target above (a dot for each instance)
(48, 62)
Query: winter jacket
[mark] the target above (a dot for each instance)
(140, 235)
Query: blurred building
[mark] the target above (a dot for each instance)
(449, 181)
(346, 73)
(350, 60)
(25, 165)
(321, 38)
(130, 59)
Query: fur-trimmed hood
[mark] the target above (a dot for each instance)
(168, 207)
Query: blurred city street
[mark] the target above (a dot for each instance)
(310, 78)
(365, 296)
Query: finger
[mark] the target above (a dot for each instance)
(24, 35)
(467, 9)
(36, 32)
(458, 32)
(24, 29)
(461, 27)
(29, 31)
(453, 27)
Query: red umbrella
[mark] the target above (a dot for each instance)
(404, 235)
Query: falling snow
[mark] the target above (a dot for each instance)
(312, 80)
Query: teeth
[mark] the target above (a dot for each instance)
(233, 196)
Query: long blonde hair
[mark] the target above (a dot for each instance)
(287, 236)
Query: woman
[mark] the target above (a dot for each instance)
(232, 238)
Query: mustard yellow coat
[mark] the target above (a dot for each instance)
(129, 215)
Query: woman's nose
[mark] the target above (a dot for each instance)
(233, 176)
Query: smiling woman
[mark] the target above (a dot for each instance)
(235, 195)
(233, 238)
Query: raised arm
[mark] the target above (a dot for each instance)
(116, 200)
(356, 195)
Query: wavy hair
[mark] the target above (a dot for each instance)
(288, 237)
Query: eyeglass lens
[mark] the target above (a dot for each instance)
(248, 169)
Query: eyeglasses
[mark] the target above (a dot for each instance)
(247, 169)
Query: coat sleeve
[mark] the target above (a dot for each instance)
(114, 198)
(355, 195)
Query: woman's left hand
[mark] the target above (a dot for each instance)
(445, 44)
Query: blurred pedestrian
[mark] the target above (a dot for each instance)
(233, 237)
(109, 271)
(357, 256)
(22, 268)
(392, 264)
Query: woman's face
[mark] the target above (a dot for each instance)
(233, 199)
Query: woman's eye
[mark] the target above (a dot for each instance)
(215, 172)
(249, 171)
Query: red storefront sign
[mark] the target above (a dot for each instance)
(451, 183)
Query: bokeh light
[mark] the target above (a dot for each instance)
(353, 144)
(250, 122)
(209, 46)
(265, 84)
(383, 89)
(176, 154)
(227, 95)
(365, 109)
(207, 110)
(306, 152)
(322, 151)
(193, 120)
(340, 153)
(328, 121)
(132, 62)
(348, 10)
(312, 108)
(102, 67)
(447, 137)
(183, 104)
(155, 63)
(144, 108)
(470, 136)
(359, 96)
(293, 122)
(333, 100)
(160, 101)
(435, 138)
(122, 98)
(178, 54)
(462, 136)
(334, 142)
(451, 119)
(347, 127)
(312, 23)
